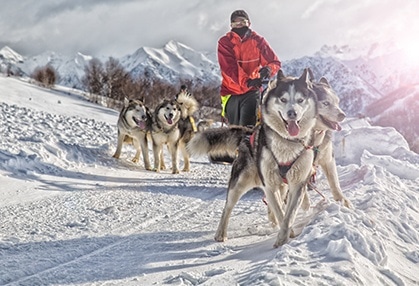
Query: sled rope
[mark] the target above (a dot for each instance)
(313, 187)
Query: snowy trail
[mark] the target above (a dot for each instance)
(70, 214)
(191, 220)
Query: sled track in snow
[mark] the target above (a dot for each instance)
(129, 232)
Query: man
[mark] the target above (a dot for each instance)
(245, 60)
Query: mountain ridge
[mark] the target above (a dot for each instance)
(361, 76)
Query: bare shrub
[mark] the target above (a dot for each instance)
(46, 76)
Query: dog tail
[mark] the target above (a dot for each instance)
(218, 141)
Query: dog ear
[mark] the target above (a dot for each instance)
(324, 81)
(310, 72)
(280, 75)
(304, 78)
(126, 102)
(271, 85)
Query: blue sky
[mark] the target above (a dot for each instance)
(118, 28)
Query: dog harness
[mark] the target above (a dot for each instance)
(283, 168)
(161, 128)
(192, 121)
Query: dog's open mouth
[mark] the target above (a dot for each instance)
(140, 123)
(293, 127)
(169, 120)
(331, 124)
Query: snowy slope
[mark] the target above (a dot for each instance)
(70, 214)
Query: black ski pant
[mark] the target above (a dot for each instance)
(241, 109)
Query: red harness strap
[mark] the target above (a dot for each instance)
(252, 139)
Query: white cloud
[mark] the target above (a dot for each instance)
(118, 28)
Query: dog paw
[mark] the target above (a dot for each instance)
(116, 156)
(347, 203)
(282, 238)
(220, 238)
(186, 170)
(135, 160)
(344, 201)
(175, 172)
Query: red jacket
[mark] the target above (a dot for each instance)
(241, 60)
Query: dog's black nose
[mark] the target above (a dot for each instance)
(291, 114)
(341, 116)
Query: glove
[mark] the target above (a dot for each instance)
(264, 72)
(257, 82)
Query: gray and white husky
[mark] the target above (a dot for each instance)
(134, 123)
(329, 116)
(278, 157)
(165, 130)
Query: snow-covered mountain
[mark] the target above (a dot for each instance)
(362, 76)
(70, 69)
(174, 62)
(9, 60)
(7, 54)
(399, 109)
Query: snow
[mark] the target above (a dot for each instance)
(8, 53)
(70, 214)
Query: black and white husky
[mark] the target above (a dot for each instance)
(277, 157)
(134, 123)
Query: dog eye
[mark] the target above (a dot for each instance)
(326, 103)
(283, 100)
(300, 100)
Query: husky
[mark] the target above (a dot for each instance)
(277, 157)
(205, 124)
(249, 162)
(329, 116)
(133, 124)
(187, 127)
(165, 130)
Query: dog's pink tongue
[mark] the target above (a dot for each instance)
(141, 124)
(169, 120)
(293, 128)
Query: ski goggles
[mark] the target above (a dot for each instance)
(239, 22)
